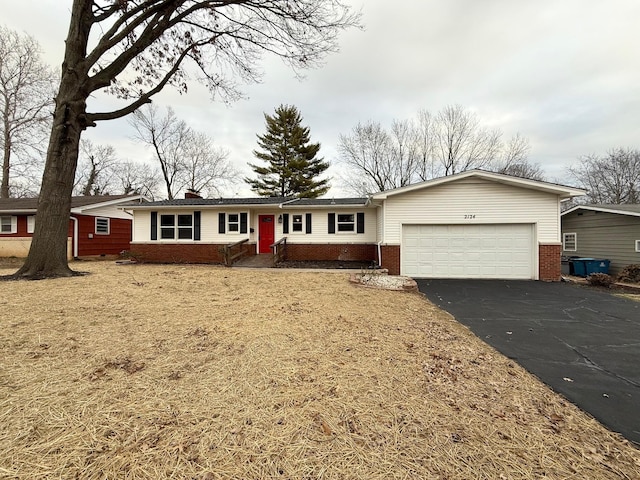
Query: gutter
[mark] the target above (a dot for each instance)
(281, 205)
(75, 237)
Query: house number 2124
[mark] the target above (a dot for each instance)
(469, 216)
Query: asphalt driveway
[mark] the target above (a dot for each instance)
(583, 343)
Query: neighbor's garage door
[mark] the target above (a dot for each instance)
(467, 251)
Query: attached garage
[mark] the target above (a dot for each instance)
(473, 224)
(468, 251)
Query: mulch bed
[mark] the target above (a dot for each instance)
(325, 264)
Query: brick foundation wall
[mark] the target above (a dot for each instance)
(182, 252)
(327, 251)
(549, 262)
(391, 258)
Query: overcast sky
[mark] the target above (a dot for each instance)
(563, 73)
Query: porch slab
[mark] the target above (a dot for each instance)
(264, 260)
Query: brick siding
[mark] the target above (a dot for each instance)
(549, 262)
(391, 258)
(182, 252)
(549, 255)
(328, 251)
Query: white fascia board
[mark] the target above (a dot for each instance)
(601, 209)
(108, 203)
(561, 190)
(21, 211)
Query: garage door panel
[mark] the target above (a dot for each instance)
(468, 251)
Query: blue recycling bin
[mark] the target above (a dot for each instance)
(583, 267)
(597, 265)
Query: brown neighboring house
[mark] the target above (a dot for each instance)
(97, 225)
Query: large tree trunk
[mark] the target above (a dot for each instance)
(6, 158)
(48, 253)
(6, 154)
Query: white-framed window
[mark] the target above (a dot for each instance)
(297, 223)
(103, 226)
(637, 245)
(8, 224)
(178, 226)
(346, 222)
(31, 223)
(233, 223)
(569, 242)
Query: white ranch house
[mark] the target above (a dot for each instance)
(474, 224)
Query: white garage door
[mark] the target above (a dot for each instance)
(467, 251)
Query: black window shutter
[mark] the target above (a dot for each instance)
(154, 225)
(196, 225)
(360, 222)
(222, 220)
(332, 223)
(243, 222)
(285, 223)
(308, 223)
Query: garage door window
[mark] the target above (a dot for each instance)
(569, 242)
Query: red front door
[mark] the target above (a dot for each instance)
(266, 233)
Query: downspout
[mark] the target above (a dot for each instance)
(75, 237)
(379, 255)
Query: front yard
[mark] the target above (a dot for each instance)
(142, 371)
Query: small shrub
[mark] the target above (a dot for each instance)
(600, 280)
(630, 274)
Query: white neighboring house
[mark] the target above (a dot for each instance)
(475, 224)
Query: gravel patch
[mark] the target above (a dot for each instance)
(384, 281)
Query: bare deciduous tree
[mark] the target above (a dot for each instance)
(613, 178)
(366, 151)
(137, 178)
(514, 160)
(95, 169)
(461, 143)
(26, 101)
(425, 132)
(100, 172)
(450, 142)
(135, 48)
(206, 168)
(167, 136)
(187, 159)
(404, 152)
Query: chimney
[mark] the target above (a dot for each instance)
(191, 194)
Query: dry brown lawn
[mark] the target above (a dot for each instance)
(149, 372)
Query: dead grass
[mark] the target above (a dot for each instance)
(209, 373)
(630, 296)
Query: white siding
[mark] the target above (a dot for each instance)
(141, 230)
(380, 223)
(473, 202)
(320, 227)
(110, 211)
(209, 226)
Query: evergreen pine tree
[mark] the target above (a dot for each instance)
(292, 167)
